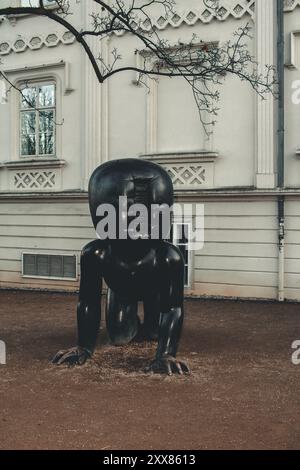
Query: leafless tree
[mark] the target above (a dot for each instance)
(203, 65)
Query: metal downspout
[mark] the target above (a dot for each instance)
(280, 149)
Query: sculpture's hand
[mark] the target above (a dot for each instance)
(73, 356)
(168, 365)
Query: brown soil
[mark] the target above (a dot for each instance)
(243, 392)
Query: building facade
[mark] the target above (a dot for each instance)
(48, 154)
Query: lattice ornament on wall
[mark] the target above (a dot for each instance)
(36, 42)
(228, 8)
(34, 180)
(190, 175)
(236, 9)
(290, 5)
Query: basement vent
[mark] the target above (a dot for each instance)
(49, 266)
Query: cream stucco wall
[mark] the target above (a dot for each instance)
(121, 119)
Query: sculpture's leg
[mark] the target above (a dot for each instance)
(151, 317)
(172, 313)
(88, 308)
(122, 321)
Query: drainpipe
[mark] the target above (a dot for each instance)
(281, 248)
(280, 148)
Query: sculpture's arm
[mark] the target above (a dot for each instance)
(88, 308)
(170, 328)
(172, 313)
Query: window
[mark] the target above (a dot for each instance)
(37, 120)
(49, 266)
(180, 237)
(36, 3)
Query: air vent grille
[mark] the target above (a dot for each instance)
(49, 266)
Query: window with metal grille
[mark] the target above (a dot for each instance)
(49, 266)
(180, 234)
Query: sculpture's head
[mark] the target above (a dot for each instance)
(134, 197)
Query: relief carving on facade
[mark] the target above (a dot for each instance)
(34, 180)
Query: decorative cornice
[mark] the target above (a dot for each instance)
(175, 157)
(188, 170)
(36, 42)
(191, 196)
(189, 17)
(236, 193)
(33, 163)
(290, 5)
(37, 197)
(236, 10)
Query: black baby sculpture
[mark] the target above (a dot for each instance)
(140, 269)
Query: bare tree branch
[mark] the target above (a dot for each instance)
(202, 65)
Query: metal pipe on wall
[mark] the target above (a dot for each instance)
(280, 149)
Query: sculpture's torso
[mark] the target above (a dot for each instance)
(136, 278)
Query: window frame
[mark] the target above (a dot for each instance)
(53, 5)
(177, 222)
(36, 84)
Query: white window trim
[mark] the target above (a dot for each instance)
(294, 62)
(53, 4)
(178, 221)
(18, 3)
(32, 73)
(36, 83)
(152, 101)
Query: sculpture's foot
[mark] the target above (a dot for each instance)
(168, 365)
(72, 357)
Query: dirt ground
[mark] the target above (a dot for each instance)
(243, 392)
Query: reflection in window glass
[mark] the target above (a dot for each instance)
(28, 145)
(46, 121)
(46, 144)
(28, 120)
(46, 95)
(28, 98)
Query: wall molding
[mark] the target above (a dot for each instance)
(35, 180)
(34, 175)
(33, 68)
(35, 42)
(94, 104)
(294, 43)
(265, 109)
(188, 170)
(237, 10)
(229, 9)
(244, 194)
(290, 5)
(173, 157)
(40, 163)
